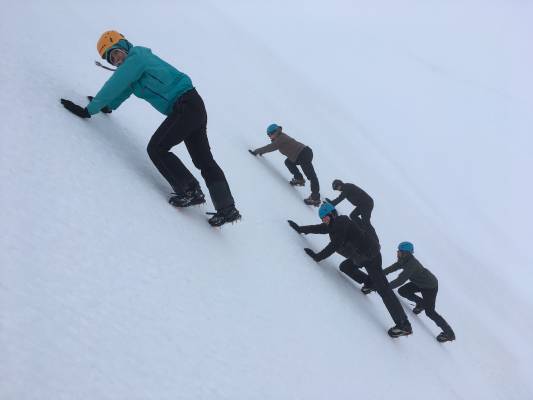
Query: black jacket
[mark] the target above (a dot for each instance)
(347, 239)
(354, 194)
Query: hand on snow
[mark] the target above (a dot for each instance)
(253, 153)
(294, 226)
(311, 253)
(106, 109)
(75, 109)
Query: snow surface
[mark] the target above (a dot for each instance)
(106, 292)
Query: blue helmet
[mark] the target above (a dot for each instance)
(325, 209)
(272, 128)
(407, 247)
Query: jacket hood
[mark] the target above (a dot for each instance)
(122, 44)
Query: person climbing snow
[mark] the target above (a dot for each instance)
(358, 197)
(171, 92)
(360, 248)
(421, 281)
(297, 154)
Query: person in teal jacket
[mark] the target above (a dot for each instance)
(171, 92)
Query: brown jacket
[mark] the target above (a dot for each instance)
(286, 146)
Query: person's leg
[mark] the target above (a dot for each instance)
(349, 268)
(293, 168)
(408, 291)
(355, 214)
(174, 129)
(363, 213)
(200, 152)
(380, 283)
(305, 160)
(429, 297)
(365, 210)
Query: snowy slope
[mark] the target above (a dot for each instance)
(107, 292)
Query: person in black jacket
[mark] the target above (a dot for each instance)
(361, 248)
(421, 281)
(358, 197)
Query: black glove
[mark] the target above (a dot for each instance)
(253, 153)
(294, 226)
(75, 109)
(106, 109)
(311, 253)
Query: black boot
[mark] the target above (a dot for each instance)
(400, 330)
(228, 214)
(366, 289)
(445, 337)
(191, 197)
(418, 309)
(297, 182)
(313, 200)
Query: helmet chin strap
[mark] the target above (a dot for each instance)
(99, 64)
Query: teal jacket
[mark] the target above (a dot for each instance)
(146, 76)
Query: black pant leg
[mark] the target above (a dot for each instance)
(293, 168)
(200, 151)
(408, 291)
(305, 159)
(365, 210)
(429, 299)
(380, 283)
(355, 214)
(352, 270)
(174, 129)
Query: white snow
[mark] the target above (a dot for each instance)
(107, 292)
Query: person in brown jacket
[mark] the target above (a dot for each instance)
(297, 154)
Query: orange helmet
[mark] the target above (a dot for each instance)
(107, 40)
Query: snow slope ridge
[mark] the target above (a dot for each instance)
(108, 292)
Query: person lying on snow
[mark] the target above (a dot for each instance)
(171, 92)
(361, 248)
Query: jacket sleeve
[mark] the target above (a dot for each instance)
(118, 87)
(394, 267)
(267, 149)
(341, 197)
(121, 98)
(326, 252)
(403, 277)
(320, 229)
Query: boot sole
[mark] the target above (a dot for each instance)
(399, 335)
(189, 204)
(232, 220)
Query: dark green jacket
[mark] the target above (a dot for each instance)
(414, 271)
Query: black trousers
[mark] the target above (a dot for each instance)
(363, 211)
(377, 279)
(188, 124)
(304, 160)
(350, 268)
(428, 299)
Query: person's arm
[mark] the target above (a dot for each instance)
(267, 149)
(319, 229)
(341, 197)
(121, 98)
(403, 277)
(326, 252)
(118, 87)
(394, 267)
